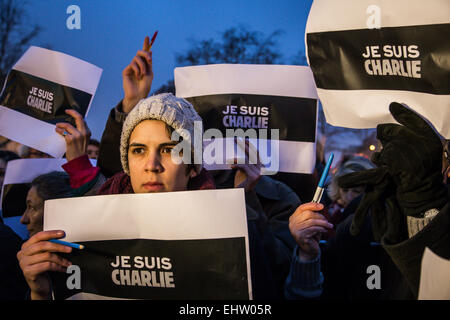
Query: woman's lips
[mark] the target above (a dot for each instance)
(153, 186)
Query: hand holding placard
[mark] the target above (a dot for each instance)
(77, 138)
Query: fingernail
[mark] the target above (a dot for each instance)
(60, 233)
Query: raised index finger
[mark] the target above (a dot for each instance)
(146, 46)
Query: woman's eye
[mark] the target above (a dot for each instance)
(137, 150)
(166, 150)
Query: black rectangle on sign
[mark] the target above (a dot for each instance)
(160, 269)
(294, 117)
(42, 99)
(411, 58)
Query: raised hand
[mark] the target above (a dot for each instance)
(249, 173)
(306, 226)
(409, 172)
(137, 77)
(412, 152)
(77, 138)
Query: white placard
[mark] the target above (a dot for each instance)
(261, 87)
(206, 215)
(365, 54)
(42, 68)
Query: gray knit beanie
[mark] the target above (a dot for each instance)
(175, 112)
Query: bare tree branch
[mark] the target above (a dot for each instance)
(15, 33)
(236, 45)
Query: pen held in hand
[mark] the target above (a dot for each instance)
(69, 244)
(153, 40)
(320, 188)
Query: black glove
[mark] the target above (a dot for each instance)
(408, 179)
(413, 154)
(380, 190)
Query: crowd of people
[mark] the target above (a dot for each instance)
(382, 211)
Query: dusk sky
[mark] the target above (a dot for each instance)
(113, 30)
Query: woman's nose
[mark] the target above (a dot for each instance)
(153, 163)
(24, 219)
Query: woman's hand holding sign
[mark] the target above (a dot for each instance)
(137, 77)
(77, 138)
(37, 256)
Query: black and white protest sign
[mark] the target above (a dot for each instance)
(275, 106)
(18, 176)
(38, 90)
(175, 245)
(365, 54)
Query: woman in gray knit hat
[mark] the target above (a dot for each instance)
(146, 149)
(146, 145)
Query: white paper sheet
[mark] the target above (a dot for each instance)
(366, 108)
(264, 80)
(59, 68)
(434, 277)
(180, 216)
(24, 171)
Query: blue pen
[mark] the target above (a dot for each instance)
(319, 190)
(69, 244)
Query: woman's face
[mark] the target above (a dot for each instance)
(150, 161)
(33, 217)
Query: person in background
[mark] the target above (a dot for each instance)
(53, 185)
(341, 198)
(34, 153)
(14, 146)
(93, 148)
